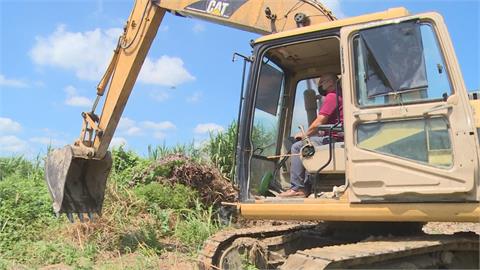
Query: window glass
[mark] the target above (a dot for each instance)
(304, 111)
(267, 109)
(424, 140)
(397, 64)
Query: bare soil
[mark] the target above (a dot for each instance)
(451, 227)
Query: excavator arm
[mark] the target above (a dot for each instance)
(76, 174)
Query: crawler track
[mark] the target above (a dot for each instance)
(212, 251)
(419, 252)
(319, 246)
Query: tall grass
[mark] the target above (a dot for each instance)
(145, 219)
(221, 149)
(161, 151)
(196, 226)
(21, 167)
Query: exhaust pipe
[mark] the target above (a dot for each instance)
(76, 185)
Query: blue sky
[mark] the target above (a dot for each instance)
(52, 54)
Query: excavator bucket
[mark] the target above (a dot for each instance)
(77, 185)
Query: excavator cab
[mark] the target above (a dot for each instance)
(409, 127)
(285, 99)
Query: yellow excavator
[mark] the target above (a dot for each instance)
(411, 137)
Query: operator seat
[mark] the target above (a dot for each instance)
(322, 154)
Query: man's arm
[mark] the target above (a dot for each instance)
(312, 129)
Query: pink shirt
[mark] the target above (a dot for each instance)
(328, 108)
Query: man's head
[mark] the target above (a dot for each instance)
(326, 83)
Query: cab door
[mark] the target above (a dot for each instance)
(409, 132)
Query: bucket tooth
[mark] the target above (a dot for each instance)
(90, 216)
(70, 217)
(80, 217)
(77, 185)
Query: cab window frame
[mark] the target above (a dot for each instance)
(440, 50)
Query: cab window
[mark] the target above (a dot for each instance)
(399, 64)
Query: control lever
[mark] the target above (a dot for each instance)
(306, 139)
(308, 149)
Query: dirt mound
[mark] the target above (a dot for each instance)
(207, 180)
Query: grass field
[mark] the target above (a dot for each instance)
(150, 217)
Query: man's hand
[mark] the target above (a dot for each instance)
(299, 136)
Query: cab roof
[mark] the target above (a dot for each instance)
(385, 15)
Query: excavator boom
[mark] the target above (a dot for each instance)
(76, 174)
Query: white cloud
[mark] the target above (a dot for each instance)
(12, 144)
(134, 131)
(73, 99)
(129, 127)
(117, 142)
(158, 130)
(208, 127)
(8, 125)
(158, 126)
(159, 135)
(47, 141)
(85, 53)
(160, 95)
(198, 28)
(126, 123)
(336, 7)
(4, 81)
(195, 97)
(78, 101)
(166, 71)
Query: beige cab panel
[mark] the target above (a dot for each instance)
(321, 158)
(404, 143)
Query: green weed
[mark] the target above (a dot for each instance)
(25, 206)
(166, 196)
(126, 164)
(196, 225)
(39, 253)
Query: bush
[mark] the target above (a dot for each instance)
(158, 170)
(177, 196)
(125, 165)
(25, 205)
(124, 160)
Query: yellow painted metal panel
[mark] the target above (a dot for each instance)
(338, 211)
(389, 14)
(476, 108)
